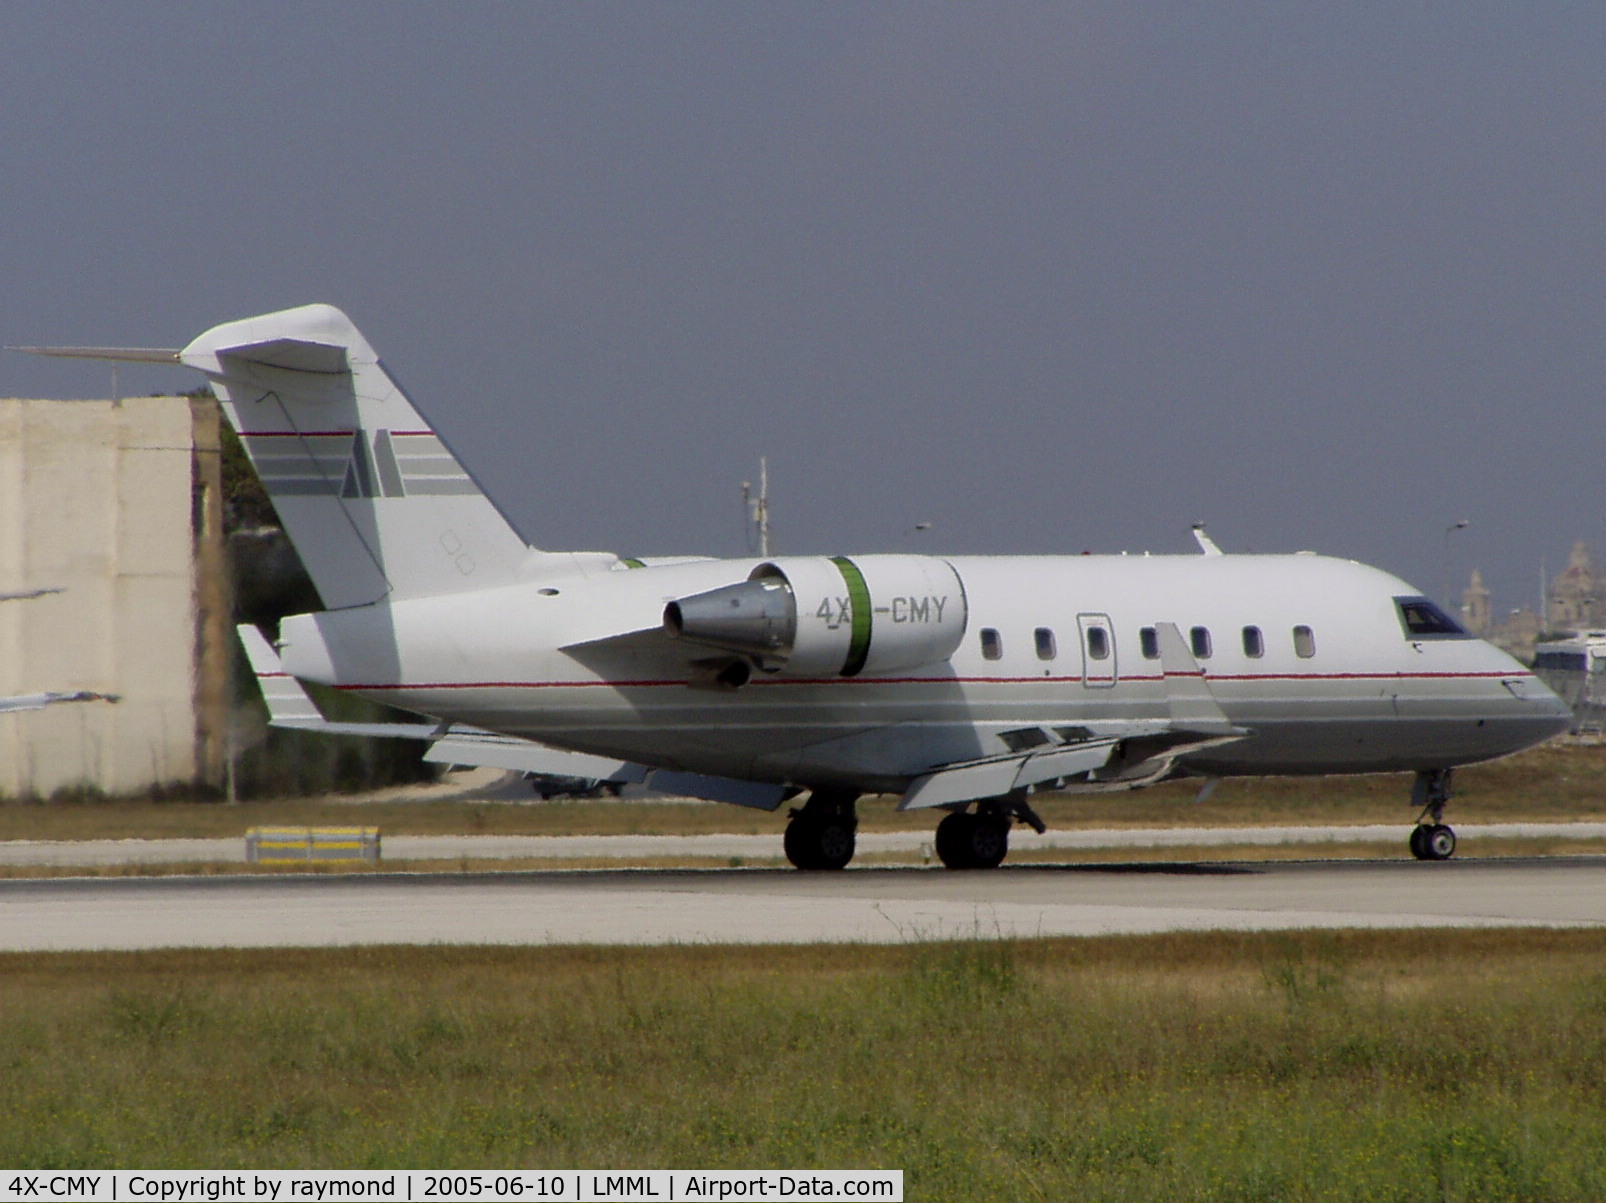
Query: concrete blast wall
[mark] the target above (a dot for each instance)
(102, 500)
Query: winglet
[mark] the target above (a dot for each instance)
(289, 704)
(1192, 705)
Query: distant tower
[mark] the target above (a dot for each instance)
(1475, 615)
(1576, 594)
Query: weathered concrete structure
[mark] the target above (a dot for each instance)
(118, 505)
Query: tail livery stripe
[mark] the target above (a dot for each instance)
(342, 465)
(423, 465)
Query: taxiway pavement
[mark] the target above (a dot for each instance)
(87, 853)
(784, 906)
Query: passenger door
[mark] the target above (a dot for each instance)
(1098, 650)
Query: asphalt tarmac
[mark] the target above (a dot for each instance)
(756, 847)
(785, 906)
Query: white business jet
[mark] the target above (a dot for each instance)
(960, 683)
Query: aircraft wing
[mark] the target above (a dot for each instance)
(995, 776)
(289, 705)
(1117, 754)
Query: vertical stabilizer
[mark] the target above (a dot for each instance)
(376, 505)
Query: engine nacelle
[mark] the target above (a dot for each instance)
(838, 617)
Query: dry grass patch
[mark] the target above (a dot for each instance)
(1400, 1065)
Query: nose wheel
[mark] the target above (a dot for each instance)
(1432, 841)
(1431, 838)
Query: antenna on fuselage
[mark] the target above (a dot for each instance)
(1207, 545)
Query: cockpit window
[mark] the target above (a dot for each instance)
(1422, 619)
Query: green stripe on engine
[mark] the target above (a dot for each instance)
(859, 599)
(632, 562)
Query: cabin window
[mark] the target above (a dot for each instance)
(1424, 620)
(1254, 643)
(1149, 643)
(1098, 643)
(1199, 638)
(1304, 642)
(1044, 638)
(992, 644)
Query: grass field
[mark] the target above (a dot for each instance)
(1390, 1065)
(1555, 783)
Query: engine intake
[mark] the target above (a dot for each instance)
(831, 617)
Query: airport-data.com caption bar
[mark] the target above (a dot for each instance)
(439, 1186)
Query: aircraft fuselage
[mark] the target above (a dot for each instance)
(1309, 654)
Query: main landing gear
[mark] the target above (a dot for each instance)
(1431, 839)
(821, 834)
(979, 839)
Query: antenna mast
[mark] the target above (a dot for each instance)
(758, 508)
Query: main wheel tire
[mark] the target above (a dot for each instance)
(833, 844)
(1440, 842)
(989, 841)
(953, 840)
(801, 843)
(967, 841)
(819, 843)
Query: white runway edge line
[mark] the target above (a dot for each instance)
(755, 847)
(440, 1186)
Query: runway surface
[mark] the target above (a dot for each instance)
(757, 847)
(784, 906)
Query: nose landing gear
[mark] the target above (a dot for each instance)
(1432, 840)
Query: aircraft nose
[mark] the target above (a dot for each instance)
(1547, 704)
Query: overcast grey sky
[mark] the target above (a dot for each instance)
(1052, 278)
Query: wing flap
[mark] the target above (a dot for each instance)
(1000, 775)
(467, 745)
